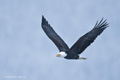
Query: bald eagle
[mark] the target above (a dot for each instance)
(81, 44)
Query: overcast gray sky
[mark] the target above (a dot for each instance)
(26, 51)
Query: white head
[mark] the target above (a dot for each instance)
(61, 54)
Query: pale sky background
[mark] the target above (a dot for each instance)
(26, 51)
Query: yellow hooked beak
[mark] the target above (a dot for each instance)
(57, 55)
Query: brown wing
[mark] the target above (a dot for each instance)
(61, 45)
(84, 41)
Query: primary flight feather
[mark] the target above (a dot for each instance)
(81, 44)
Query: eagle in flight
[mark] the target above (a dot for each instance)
(80, 45)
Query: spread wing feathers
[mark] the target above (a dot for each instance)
(84, 41)
(61, 45)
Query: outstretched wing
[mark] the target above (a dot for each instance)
(84, 41)
(61, 45)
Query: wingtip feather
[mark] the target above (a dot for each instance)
(102, 24)
(44, 21)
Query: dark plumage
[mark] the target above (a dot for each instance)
(81, 44)
(62, 46)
